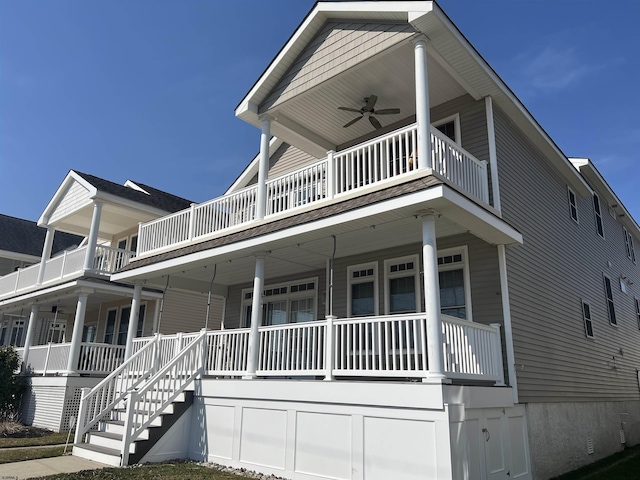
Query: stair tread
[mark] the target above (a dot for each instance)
(98, 448)
(113, 436)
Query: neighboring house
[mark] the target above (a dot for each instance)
(70, 322)
(418, 283)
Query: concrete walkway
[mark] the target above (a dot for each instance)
(46, 466)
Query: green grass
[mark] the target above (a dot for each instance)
(174, 471)
(10, 455)
(623, 465)
(53, 439)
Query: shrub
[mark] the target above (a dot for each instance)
(11, 383)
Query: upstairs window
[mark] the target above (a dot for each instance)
(586, 317)
(598, 214)
(450, 127)
(610, 306)
(285, 303)
(363, 290)
(573, 204)
(453, 276)
(628, 243)
(402, 294)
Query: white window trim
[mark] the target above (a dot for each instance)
(352, 281)
(572, 206)
(584, 319)
(455, 118)
(387, 276)
(464, 249)
(244, 302)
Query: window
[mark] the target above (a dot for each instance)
(292, 302)
(586, 317)
(598, 213)
(56, 332)
(628, 244)
(610, 306)
(450, 127)
(17, 333)
(133, 244)
(116, 331)
(110, 329)
(363, 290)
(402, 292)
(453, 274)
(573, 204)
(637, 311)
(89, 333)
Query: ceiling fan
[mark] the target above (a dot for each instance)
(369, 111)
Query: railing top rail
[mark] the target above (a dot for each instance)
(375, 140)
(165, 217)
(113, 249)
(213, 333)
(467, 323)
(437, 133)
(293, 326)
(382, 318)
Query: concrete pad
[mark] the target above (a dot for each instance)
(46, 466)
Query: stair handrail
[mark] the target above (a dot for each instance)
(115, 387)
(134, 425)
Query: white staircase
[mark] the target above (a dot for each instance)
(131, 409)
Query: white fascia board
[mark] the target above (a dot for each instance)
(22, 257)
(129, 204)
(135, 186)
(577, 181)
(60, 192)
(588, 168)
(252, 169)
(258, 243)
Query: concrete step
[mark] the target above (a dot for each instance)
(97, 453)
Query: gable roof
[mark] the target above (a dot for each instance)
(144, 194)
(25, 237)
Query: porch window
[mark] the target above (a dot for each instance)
(110, 328)
(586, 317)
(292, 302)
(450, 126)
(402, 294)
(598, 214)
(610, 306)
(3, 335)
(573, 204)
(56, 332)
(628, 243)
(89, 333)
(17, 333)
(363, 290)
(453, 275)
(122, 326)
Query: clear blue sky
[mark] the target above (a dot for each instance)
(146, 89)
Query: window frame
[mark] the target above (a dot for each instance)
(388, 276)
(573, 205)
(637, 302)
(455, 119)
(628, 244)
(597, 210)
(464, 250)
(118, 323)
(610, 303)
(351, 281)
(587, 321)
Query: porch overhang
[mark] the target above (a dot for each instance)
(304, 241)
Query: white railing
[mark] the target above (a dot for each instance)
(53, 358)
(50, 358)
(107, 260)
(371, 163)
(226, 352)
(100, 358)
(293, 349)
(472, 350)
(146, 403)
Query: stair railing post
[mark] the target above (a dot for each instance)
(82, 413)
(46, 360)
(128, 427)
(329, 348)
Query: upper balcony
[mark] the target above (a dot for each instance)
(376, 164)
(62, 268)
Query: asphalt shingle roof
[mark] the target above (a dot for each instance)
(156, 198)
(24, 236)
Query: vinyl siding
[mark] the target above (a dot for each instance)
(50, 405)
(560, 263)
(336, 48)
(187, 312)
(285, 159)
(75, 196)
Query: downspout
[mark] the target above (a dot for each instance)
(333, 257)
(206, 323)
(162, 305)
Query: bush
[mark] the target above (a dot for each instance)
(11, 384)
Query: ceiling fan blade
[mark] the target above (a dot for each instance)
(347, 109)
(371, 101)
(374, 121)
(352, 122)
(387, 111)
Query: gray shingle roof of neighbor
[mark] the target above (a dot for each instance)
(155, 198)
(24, 236)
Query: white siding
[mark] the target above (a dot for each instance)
(76, 196)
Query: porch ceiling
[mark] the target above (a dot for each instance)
(389, 75)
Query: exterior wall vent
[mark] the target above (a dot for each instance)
(589, 446)
(622, 439)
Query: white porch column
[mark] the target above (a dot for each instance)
(93, 236)
(506, 315)
(265, 136)
(76, 337)
(422, 102)
(432, 297)
(256, 317)
(46, 252)
(31, 328)
(133, 320)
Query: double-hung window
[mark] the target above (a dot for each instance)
(362, 290)
(610, 306)
(402, 285)
(598, 213)
(573, 204)
(453, 274)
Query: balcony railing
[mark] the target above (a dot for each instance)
(69, 264)
(372, 163)
(95, 358)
